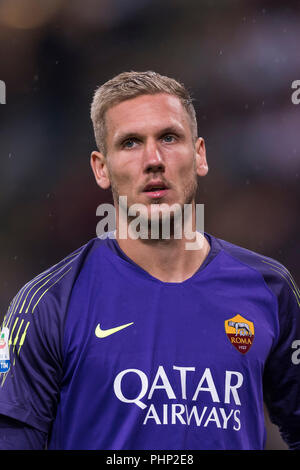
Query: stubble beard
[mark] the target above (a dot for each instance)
(146, 219)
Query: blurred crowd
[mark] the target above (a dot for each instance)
(238, 59)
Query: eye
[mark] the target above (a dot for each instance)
(169, 138)
(129, 143)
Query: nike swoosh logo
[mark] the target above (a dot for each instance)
(104, 333)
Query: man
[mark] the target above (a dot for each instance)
(138, 342)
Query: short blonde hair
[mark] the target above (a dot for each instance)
(129, 85)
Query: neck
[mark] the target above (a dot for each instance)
(169, 260)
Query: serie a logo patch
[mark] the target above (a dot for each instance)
(4, 351)
(240, 333)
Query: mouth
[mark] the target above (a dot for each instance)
(156, 190)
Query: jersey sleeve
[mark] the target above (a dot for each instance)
(31, 343)
(282, 369)
(15, 435)
(32, 365)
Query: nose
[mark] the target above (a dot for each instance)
(153, 160)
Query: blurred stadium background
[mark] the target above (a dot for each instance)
(238, 58)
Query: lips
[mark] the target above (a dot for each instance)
(156, 189)
(155, 186)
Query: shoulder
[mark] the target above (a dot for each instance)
(276, 276)
(34, 321)
(52, 287)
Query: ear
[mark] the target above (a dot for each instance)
(99, 167)
(201, 163)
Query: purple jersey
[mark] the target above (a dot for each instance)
(99, 354)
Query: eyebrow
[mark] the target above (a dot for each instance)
(123, 136)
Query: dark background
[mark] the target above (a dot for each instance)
(238, 58)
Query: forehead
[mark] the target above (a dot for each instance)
(146, 113)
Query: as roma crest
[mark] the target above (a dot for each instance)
(240, 333)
